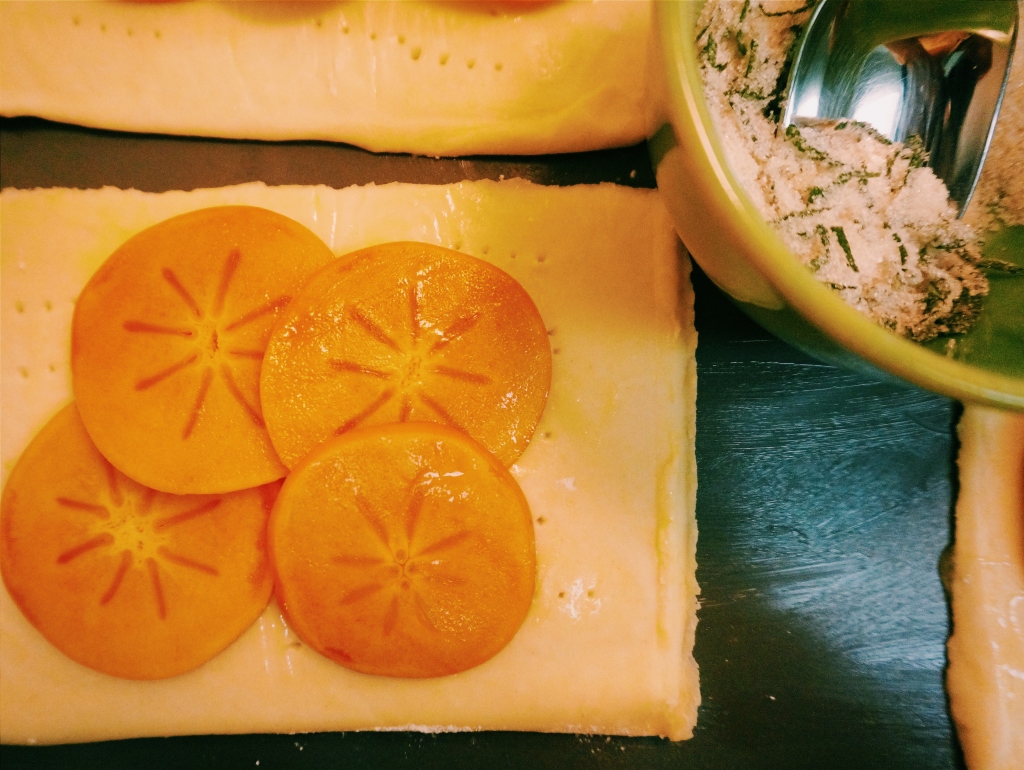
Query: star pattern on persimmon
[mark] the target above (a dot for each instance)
(404, 565)
(405, 379)
(135, 522)
(210, 349)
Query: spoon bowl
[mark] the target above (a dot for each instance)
(937, 73)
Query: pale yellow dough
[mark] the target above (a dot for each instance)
(986, 652)
(435, 78)
(610, 476)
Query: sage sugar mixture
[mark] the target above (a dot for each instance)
(866, 215)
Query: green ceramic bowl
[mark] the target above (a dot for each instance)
(741, 253)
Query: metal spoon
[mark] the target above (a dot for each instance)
(933, 69)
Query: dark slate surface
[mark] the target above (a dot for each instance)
(824, 503)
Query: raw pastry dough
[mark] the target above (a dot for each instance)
(441, 78)
(986, 652)
(610, 474)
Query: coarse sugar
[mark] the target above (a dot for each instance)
(866, 215)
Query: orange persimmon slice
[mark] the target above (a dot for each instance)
(407, 331)
(403, 550)
(126, 580)
(167, 341)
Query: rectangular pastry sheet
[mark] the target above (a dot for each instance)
(985, 678)
(610, 475)
(432, 78)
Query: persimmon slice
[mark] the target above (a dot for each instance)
(167, 341)
(126, 580)
(407, 331)
(404, 550)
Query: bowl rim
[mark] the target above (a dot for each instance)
(764, 248)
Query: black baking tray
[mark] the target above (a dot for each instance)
(824, 504)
